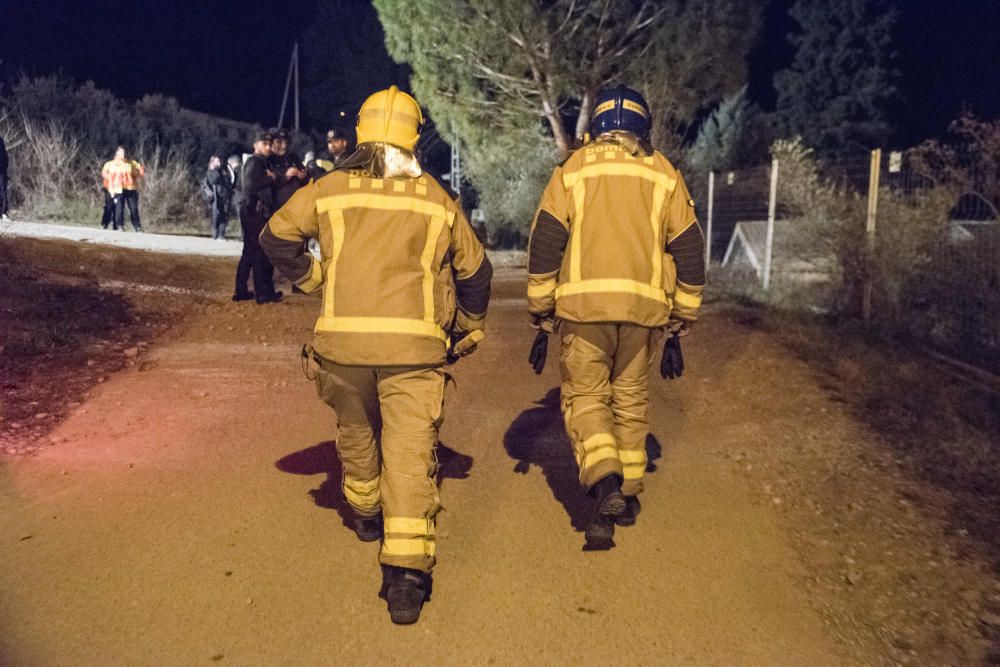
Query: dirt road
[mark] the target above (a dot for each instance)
(190, 514)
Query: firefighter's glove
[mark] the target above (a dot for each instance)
(672, 363)
(546, 324)
(678, 326)
(539, 351)
(464, 343)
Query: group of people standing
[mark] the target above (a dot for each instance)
(269, 178)
(121, 178)
(219, 188)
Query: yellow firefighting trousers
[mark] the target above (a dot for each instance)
(388, 420)
(605, 372)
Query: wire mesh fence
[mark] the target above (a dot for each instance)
(905, 242)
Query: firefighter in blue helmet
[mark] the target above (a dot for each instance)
(615, 257)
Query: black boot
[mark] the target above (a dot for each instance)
(610, 504)
(405, 591)
(245, 296)
(273, 297)
(632, 509)
(369, 528)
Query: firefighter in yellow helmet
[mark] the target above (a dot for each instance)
(615, 256)
(405, 286)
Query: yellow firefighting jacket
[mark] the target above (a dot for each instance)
(615, 239)
(401, 268)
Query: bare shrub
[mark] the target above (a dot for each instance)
(970, 165)
(49, 183)
(169, 197)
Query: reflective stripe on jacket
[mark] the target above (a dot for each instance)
(604, 241)
(117, 176)
(401, 267)
(136, 171)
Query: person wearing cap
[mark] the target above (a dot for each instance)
(289, 171)
(336, 151)
(615, 256)
(256, 201)
(405, 286)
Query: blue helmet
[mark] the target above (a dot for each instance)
(620, 108)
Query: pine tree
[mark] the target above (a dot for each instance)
(722, 136)
(836, 92)
(515, 81)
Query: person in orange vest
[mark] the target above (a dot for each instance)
(108, 214)
(131, 193)
(121, 177)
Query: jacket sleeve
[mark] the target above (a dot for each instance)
(283, 240)
(473, 274)
(546, 246)
(686, 244)
(256, 182)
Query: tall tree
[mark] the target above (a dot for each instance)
(722, 136)
(509, 78)
(836, 92)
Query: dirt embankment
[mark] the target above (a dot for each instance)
(71, 314)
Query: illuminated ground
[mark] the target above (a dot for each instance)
(189, 513)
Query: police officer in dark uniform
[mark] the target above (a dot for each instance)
(256, 205)
(289, 171)
(334, 155)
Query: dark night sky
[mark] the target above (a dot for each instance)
(231, 58)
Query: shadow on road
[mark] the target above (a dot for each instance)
(321, 459)
(537, 437)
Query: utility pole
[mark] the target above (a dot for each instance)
(293, 75)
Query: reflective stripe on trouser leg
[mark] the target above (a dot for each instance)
(407, 538)
(586, 356)
(633, 470)
(363, 495)
(630, 402)
(352, 393)
(411, 415)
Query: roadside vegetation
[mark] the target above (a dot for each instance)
(59, 135)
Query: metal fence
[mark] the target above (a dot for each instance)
(911, 248)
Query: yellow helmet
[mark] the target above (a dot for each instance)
(390, 116)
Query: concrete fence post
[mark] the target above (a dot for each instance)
(708, 223)
(771, 209)
(875, 168)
